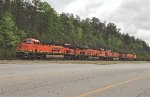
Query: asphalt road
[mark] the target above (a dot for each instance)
(74, 80)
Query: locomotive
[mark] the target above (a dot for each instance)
(32, 48)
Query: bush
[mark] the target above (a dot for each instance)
(8, 53)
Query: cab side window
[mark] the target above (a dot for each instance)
(36, 42)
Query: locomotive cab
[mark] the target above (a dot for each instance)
(27, 46)
(31, 41)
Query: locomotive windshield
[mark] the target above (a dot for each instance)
(29, 41)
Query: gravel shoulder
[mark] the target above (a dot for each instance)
(69, 62)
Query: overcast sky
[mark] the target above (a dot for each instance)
(132, 16)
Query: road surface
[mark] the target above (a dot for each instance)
(74, 80)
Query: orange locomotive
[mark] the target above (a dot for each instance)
(32, 48)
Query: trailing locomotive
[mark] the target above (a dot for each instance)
(32, 48)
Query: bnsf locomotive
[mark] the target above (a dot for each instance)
(32, 48)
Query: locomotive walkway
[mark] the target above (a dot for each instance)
(74, 80)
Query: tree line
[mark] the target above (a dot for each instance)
(20, 19)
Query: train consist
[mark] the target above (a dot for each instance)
(32, 48)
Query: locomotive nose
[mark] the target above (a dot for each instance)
(19, 47)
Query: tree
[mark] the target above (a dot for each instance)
(9, 36)
(8, 32)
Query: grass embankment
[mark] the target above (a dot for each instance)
(69, 62)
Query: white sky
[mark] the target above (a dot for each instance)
(132, 16)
